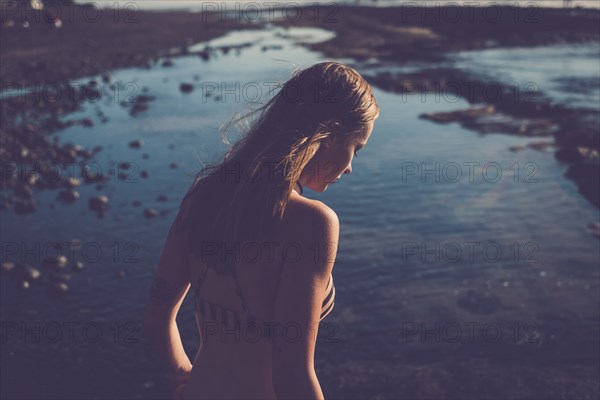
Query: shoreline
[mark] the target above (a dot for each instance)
(43, 54)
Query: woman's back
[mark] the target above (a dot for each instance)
(239, 317)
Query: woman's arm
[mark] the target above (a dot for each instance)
(169, 288)
(299, 299)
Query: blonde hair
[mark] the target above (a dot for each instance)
(325, 99)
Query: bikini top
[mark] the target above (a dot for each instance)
(232, 318)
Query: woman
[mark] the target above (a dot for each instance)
(257, 254)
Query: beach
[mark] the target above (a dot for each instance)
(467, 265)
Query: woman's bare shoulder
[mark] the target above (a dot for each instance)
(309, 218)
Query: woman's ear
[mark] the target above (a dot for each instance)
(328, 141)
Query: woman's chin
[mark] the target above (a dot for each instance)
(319, 189)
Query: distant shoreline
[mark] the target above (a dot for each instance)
(42, 53)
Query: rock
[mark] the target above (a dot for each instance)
(144, 174)
(150, 213)
(568, 154)
(68, 196)
(58, 289)
(56, 262)
(167, 63)
(204, 55)
(120, 273)
(136, 203)
(7, 267)
(29, 273)
(136, 144)
(173, 165)
(588, 153)
(77, 266)
(516, 148)
(162, 198)
(32, 179)
(145, 156)
(72, 182)
(99, 203)
(24, 285)
(594, 228)
(541, 146)
(186, 88)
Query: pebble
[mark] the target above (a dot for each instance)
(186, 88)
(77, 266)
(162, 198)
(173, 165)
(99, 203)
(56, 262)
(594, 228)
(144, 174)
(32, 179)
(136, 144)
(29, 273)
(24, 285)
(150, 213)
(58, 288)
(7, 266)
(68, 196)
(73, 182)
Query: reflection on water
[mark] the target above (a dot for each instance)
(569, 74)
(464, 270)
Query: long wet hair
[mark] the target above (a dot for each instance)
(245, 195)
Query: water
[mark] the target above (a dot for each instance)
(197, 5)
(513, 252)
(567, 73)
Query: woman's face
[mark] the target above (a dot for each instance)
(333, 159)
